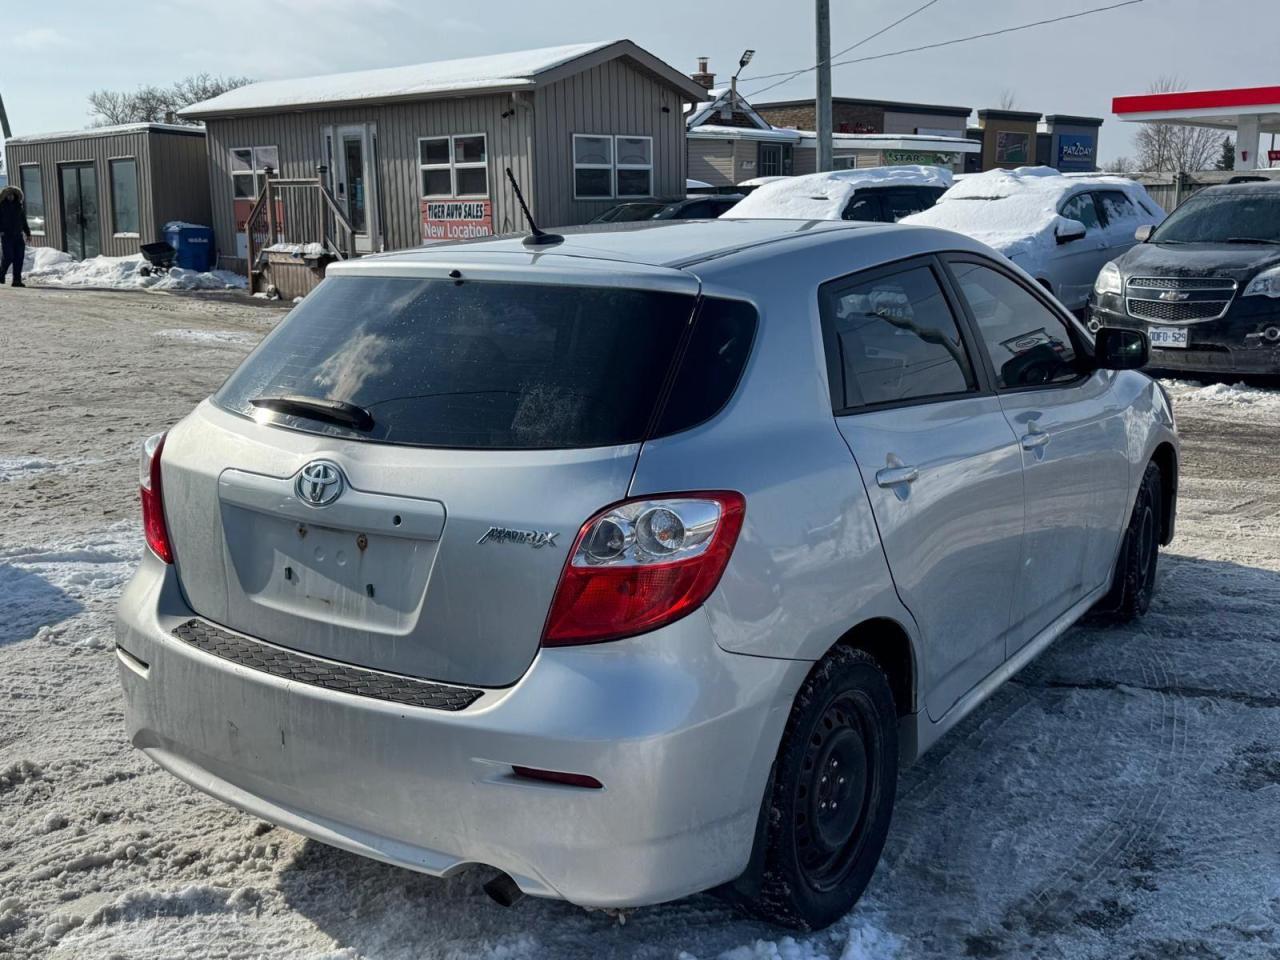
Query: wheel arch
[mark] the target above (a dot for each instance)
(889, 644)
(1166, 458)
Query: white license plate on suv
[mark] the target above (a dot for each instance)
(1166, 337)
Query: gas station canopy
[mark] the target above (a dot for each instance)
(1248, 111)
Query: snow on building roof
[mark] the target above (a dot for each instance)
(714, 131)
(823, 196)
(895, 141)
(495, 72)
(189, 129)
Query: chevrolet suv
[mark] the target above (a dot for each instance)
(1204, 285)
(634, 565)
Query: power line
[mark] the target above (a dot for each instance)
(838, 53)
(948, 43)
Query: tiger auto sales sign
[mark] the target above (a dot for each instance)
(456, 219)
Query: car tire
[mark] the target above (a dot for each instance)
(813, 858)
(1134, 582)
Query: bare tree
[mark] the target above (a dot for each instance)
(152, 104)
(1121, 164)
(1008, 99)
(1176, 147)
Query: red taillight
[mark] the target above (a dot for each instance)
(642, 564)
(153, 525)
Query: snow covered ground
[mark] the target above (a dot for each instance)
(45, 266)
(1118, 799)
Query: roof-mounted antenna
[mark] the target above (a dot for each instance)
(537, 237)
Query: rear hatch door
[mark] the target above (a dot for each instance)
(427, 539)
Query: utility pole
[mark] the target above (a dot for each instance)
(824, 84)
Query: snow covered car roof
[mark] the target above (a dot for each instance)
(823, 196)
(1016, 211)
(504, 71)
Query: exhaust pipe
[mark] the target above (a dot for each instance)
(503, 891)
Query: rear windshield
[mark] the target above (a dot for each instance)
(484, 365)
(1246, 216)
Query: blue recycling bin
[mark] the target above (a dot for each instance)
(193, 243)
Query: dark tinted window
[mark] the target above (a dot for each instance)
(712, 365)
(702, 210)
(893, 338)
(624, 212)
(483, 365)
(1116, 206)
(1234, 215)
(866, 208)
(902, 203)
(1028, 343)
(1082, 208)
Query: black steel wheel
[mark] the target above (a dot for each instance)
(830, 799)
(1134, 582)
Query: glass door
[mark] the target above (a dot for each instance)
(353, 184)
(352, 150)
(81, 236)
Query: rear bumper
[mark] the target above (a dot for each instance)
(681, 734)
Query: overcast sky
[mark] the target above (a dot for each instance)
(57, 52)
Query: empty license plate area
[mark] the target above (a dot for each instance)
(362, 562)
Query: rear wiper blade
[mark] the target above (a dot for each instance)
(1252, 240)
(317, 408)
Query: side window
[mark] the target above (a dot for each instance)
(902, 203)
(863, 208)
(892, 338)
(1116, 206)
(1081, 207)
(702, 210)
(1027, 342)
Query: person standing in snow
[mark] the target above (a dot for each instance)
(14, 233)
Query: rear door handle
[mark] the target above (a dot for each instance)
(1030, 441)
(892, 476)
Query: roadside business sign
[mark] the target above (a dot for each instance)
(895, 157)
(1013, 147)
(456, 219)
(1273, 156)
(1076, 151)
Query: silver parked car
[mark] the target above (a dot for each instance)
(634, 565)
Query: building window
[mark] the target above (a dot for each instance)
(32, 183)
(248, 168)
(634, 166)
(124, 197)
(612, 166)
(592, 167)
(456, 166)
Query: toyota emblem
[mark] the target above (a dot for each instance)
(319, 483)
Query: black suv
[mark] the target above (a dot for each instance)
(1204, 285)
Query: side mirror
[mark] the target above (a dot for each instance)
(1143, 233)
(1071, 230)
(1118, 349)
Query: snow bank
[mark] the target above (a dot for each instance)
(312, 249)
(53, 268)
(1016, 211)
(823, 196)
(1223, 394)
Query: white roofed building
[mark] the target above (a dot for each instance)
(419, 153)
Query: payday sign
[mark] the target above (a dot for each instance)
(456, 219)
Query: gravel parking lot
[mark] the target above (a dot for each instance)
(1118, 799)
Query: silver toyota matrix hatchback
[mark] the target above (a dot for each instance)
(634, 565)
